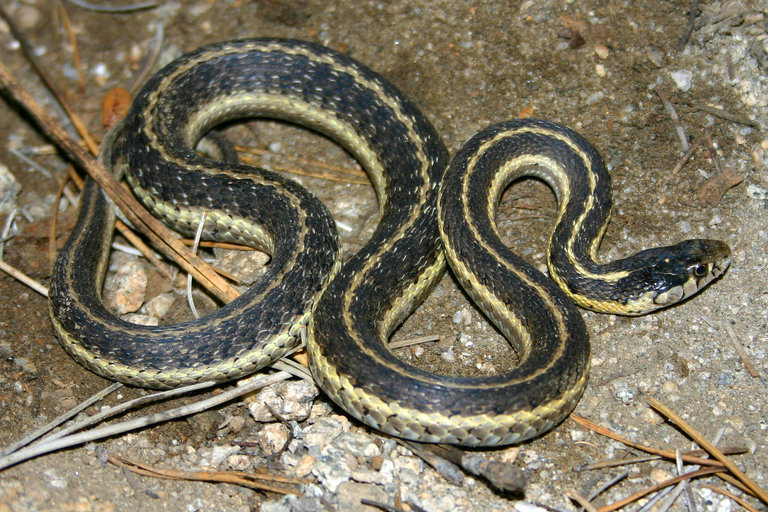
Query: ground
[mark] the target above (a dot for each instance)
(593, 66)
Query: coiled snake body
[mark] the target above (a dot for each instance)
(351, 309)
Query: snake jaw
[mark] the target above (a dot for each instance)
(682, 270)
(699, 276)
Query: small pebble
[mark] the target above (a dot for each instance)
(25, 364)
(669, 388)
(652, 417)
(660, 475)
(273, 438)
(54, 479)
(125, 288)
(351, 493)
(245, 266)
(462, 316)
(602, 51)
(358, 444)
(332, 470)
(324, 430)
(683, 79)
(239, 462)
(159, 305)
(623, 391)
(655, 56)
(101, 74)
(600, 70)
(284, 401)
(305, 466)
(757, 192)
(593, 98)
(215, 456)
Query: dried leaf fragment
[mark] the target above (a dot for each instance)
(713, 190)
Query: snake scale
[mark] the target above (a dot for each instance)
(430, 211)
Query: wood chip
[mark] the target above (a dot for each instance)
(715, 188)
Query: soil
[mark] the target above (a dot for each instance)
(594, 66)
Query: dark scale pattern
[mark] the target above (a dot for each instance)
(525, 299)
(263, 198)
(381, 284)
(651, 271)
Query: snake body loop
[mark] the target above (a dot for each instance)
(350, 310)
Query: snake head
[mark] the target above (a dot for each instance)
(676, 272)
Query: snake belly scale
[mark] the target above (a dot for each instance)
(350, 309)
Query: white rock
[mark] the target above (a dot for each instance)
(159, 305)
(124, 290)
(757, 192)
(239, 462)
(358, 444)
(284, 401)
(683, 79)
(331, 469)
(522, 506)
(214, 457)
(325, 429)
(273, 438)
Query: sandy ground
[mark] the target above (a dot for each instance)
(467, 64)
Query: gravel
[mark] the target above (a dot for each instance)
(467, 65)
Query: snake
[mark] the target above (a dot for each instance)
(433, 210)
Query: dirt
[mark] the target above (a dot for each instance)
(590, 65)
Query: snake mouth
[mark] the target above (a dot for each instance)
(699, 278)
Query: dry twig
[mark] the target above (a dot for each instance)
(614, 463)
(729, 116)
(138, 6)
(684, 159)
(44, 446)
(694, 12)
(78, 63)
(675, 118)
(165, 239)
(581, 500)
(607, 485)
(346, 172)
(731, 496)
(446, 459)
(429, 338)
(740, 350)
(30, 55)
(666, 483)
(758, 491)
(662, 453)
(60, 419)
(24, 278)
(260, 481)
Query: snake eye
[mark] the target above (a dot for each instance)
(699, 271)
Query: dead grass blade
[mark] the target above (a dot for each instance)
(261, 481)
(731, 496)
(167, 241)
(702, 441)
(666, 483)
(648, 449)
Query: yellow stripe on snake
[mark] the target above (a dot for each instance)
(430, 212)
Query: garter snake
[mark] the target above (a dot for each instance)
(350, 310)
